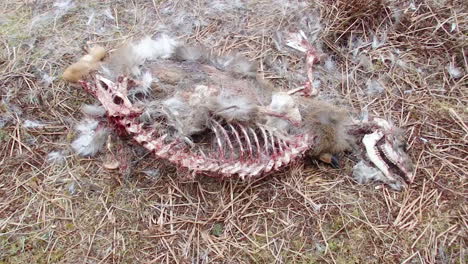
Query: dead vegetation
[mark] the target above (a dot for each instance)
(402, 60)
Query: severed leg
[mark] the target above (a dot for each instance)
(298, 41)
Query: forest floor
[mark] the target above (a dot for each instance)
(405, 61)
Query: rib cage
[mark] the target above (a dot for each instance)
(246, 150)
(243, 151)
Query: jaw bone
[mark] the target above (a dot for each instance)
(385, 149)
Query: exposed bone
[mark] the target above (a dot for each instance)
(226, 137)
(265, 140)
(247, 138)
(396, 159)
(299, 42)
(370, 142)
(218, 141)
(257, 142)
(238, 140)
(280, 144)
(392, 150)
(272, 142)
(279, 133)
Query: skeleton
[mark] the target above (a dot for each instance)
(225, 122)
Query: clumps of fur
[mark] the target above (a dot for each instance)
(93, 110)
(149, 49)
(374, 87)
(78, 70)
(59, 9)
(235, 64)
(329, 125)
(454, 71)
(123, 61)
(364, 174)
(146, 82)
(151, 111)
(143, 86)
(129, 58)
(33, 124)
(233, 108)
(241, 66)
(238, 65)
(47, 79)
(56, 157)
(191, 114)
(191, 53)
(91, 138)
(282, 111)
(167, 74)
(186, 119)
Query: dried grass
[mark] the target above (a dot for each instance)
(72, 210)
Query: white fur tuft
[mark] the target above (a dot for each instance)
(32, 124)
(150, 49)
(64, 4)
(283, 104)
(316, 84)
(330, 64)
(191, 53)
(144, 87)
(376, 43)
(242, 66)
(55, 157)
(176, 106)
(374, 87)
(144, 49)
(47, 79)
(146, 81)
(363, 173)
(93, 110)
(91, 138)
(454, 71)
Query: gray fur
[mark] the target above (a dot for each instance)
(93, 110)
(233, 108)
(185, 119)
(329, 124)
(191, 53)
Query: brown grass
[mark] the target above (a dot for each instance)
(77, 212)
